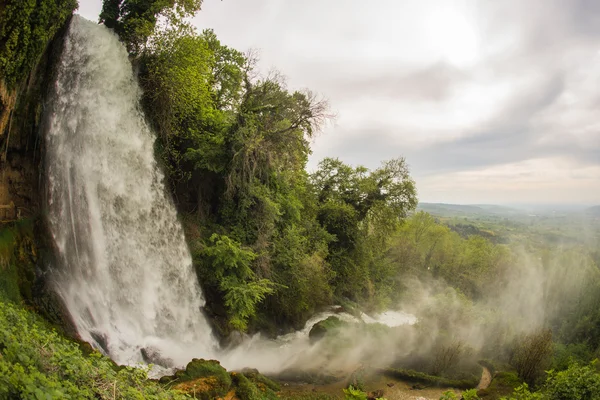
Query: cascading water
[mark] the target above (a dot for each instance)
(126, 274)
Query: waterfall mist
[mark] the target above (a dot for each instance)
(126, 273)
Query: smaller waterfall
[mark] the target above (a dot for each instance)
(126, 274)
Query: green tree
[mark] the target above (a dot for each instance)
(231, 270)
(531, 355)
(362, 209)
(575, 383)
(135, 20)
(26, 28)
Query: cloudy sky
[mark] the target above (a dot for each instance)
(488, 101)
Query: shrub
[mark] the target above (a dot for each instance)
(353, 393)
(37, 363)
(448, 395)
(522, 392)
(26, 27)
(470, 394)
(575, 383)
(532, 355)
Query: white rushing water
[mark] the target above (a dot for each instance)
(126, 274)
(296, 351)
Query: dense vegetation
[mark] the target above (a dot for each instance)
(272, 243)
(27, 27)
(36, 363)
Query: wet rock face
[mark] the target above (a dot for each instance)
(153, 356)
(21, 125)
(18, 177)
(321, 328)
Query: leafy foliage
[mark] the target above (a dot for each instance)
(135, 20)
(242, 291)
(235, 148)
(26, 28)
(37, 363)
(448, 395)
(361, 209)
(470, 394)
(354, 394)
(523, 393)
(575, 383)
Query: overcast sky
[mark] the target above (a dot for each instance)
(488, 101)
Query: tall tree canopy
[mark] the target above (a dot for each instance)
(135, 20)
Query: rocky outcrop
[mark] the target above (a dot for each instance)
(207, 379)
(22, 164)
(321, 328)
(21, 138)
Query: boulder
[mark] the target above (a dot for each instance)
(321, 328)
(203, 388)
(153, 356)
(374, 395)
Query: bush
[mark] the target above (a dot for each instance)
(564, 355)
(246, 389)
(470, 394)
(532, 355)
(353, 393)
(199, 368)
(37, 363)
(575, 383)
(26, 27)
(448, 395)
(522, 392)
(446, 357)
(261, 381)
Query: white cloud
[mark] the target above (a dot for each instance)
(499, 98)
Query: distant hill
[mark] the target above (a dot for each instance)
(594, 210)
(466, 209)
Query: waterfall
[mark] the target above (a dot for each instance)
(125, 272)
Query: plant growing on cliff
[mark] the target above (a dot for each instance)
(37, 363)
(231, 269)
(26, 28)
(135, 20)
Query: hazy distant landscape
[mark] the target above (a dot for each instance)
(503, 224)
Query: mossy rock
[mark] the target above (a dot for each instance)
(261, 381)
(200, 368)
(322, 328)
(246, 389)
(207, 388)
